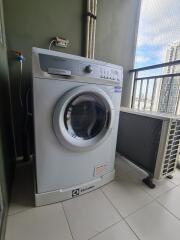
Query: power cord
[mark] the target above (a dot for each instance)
(20, 83)
(51, 43)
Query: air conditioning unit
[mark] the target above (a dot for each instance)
(151, 141)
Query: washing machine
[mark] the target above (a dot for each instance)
(76, 105)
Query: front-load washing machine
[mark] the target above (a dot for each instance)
(76, 105)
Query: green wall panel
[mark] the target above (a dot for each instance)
(34, 23)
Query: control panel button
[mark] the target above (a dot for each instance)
(109, 73)
(88, 69)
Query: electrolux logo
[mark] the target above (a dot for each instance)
(87, 188)
(76, 192)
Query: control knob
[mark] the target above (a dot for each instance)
(88, 69)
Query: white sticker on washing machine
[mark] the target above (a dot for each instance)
(117, 89)
(99, 169)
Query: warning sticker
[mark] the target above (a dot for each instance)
(99, 169)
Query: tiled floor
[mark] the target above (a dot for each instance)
(123, 209)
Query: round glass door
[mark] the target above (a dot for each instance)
(86, 116)
(83, 118)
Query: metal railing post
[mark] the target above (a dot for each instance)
(134, 90)
(153, 94)
(145, 99)
(140, 95)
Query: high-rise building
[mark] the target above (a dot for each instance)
(169, 93)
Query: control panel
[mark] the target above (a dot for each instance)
(70, 67)
(110, 73)
(101, 71)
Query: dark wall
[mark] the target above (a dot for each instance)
(7, 148)
(3, 189)
(6, 139)
(34, 23)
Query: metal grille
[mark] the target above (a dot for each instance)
(172, 148)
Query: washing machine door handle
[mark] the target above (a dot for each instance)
(83, 118)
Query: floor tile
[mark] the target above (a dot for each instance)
(90, 214)
(176, 177)
(119, 231)
(171, 200)
(137, 174)
(122, 165)
(43, 223)
(154, 223)
(126, 195)
(141, 173)
(162, 186)
(23, 189)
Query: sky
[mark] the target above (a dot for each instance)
(158, 27)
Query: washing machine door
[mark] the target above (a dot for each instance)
(83, 118)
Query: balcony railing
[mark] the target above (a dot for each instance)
(157, 88)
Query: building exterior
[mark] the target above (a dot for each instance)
(169, 92)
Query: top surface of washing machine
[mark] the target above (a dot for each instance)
(76, 110)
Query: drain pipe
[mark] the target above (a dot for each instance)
(94, 28)
(87, 28)
(91, 28)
